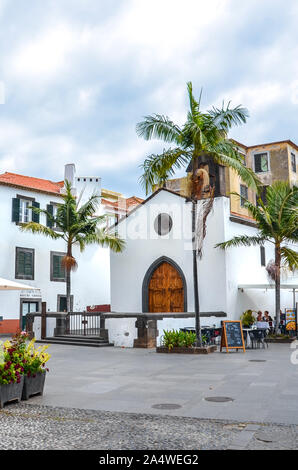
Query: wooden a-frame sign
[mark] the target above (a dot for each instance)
(232, 335)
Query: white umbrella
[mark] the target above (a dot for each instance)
(5, 284)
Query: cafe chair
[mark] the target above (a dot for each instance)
(258, 338)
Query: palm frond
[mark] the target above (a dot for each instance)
(226, 117)
(35, 227)
(242, 240)
(289, 257)
(193, 104)
(89, 208)
(222, 156)
(104, 237)
(157, 169)
(158, 126)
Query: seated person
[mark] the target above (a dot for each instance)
(267, 317)
(260, 316)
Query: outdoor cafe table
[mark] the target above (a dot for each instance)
(260, 326)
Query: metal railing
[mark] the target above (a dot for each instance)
(83, 324)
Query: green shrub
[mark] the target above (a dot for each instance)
(176, 338)
(247, 318)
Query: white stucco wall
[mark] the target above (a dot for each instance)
(144, 246)
(219, 272)
(122, 331)
(37, 328)
(90, 283)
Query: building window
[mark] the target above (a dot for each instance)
(24, 266)
(25, 211)
(243, 194)
(263, 256)
(52, 210)
(62, 303)
(262, 196)
(58, 272)
(293, 162)
(261, 161)
(243, 157)
(163, 224)
(22, 212)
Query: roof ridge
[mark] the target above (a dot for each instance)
(31, 177)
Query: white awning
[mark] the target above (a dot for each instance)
(267, 286)
(5, 284)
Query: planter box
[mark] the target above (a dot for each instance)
(280, 340)
(33, 385)
(11, 392)
(194, 350)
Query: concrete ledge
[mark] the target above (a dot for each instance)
(160, 316)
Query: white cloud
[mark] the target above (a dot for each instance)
(256, 97)
(78, 79)
(45, 55)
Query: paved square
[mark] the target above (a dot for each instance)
(134, 380)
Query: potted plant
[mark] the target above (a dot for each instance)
(247, 319)
(174, 341)
(34, 369)
(11, 370)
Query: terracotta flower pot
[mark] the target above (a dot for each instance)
(11, 392)
(33, 385)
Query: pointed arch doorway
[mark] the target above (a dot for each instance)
(164, 288)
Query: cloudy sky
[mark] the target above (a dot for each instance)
(79, 74)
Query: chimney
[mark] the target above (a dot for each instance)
(70, 173)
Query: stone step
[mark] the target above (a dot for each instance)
(56, 340)
(92, 339)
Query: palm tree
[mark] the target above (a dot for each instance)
(203, 134)
(76, 225)
(277, 223)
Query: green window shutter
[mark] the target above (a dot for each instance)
(50, 209)
(58, 269)
(35, 216)
(21, 263)
(24, 263)
(28, 264)
(15, 210)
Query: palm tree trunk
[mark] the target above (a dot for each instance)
(195, 277)
(277, 286)
(68, 281)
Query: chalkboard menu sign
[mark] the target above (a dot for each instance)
(232, 335)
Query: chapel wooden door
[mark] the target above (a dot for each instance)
(166, 292)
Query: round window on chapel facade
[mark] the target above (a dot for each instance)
(163, 224)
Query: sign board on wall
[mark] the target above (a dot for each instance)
(30, 294)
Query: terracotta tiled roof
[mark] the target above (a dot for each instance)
(30, 183)
(123, 204)
(132, 201)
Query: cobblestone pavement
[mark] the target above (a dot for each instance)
(24, 426)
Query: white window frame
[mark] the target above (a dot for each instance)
(242, 202)
(268, 158)
(25, 212)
